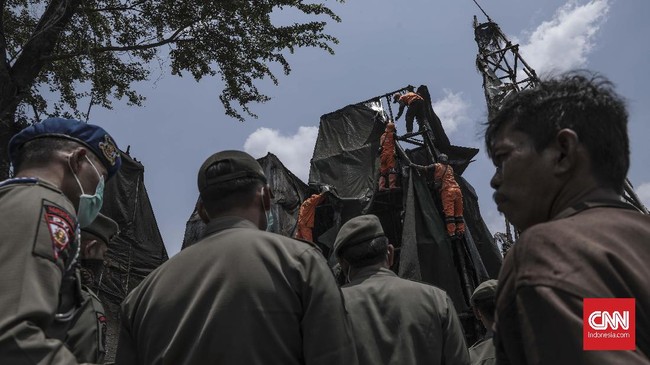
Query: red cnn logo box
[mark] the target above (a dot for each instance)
(609, 324)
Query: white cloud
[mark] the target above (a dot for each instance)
(643, 191)
(564, 42)
(294, 151)
(452, 110)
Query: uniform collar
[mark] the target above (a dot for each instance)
(31, 180)
(367, 272)
(221, 223)
(579, 207)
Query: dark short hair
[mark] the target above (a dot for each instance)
(579, 100)
(487, 308)
(39, 152)
(367, 253)
(229, 194)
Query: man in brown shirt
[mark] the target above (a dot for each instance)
(561, 153)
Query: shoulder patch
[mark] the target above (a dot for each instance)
(62, 228)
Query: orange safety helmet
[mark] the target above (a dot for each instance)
(390, 127)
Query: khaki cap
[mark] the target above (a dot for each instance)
(243, 165)
(358, 230)
(103, 228)
(487, 290)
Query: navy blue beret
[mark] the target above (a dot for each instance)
(89, 135)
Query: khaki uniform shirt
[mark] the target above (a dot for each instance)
(398, 321)
(601, 252)
(87, 336)
(238, 296)
(39, 244)
(483, 352)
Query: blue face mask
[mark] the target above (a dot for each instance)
(89, 205)
(269, 221)
(268, 214)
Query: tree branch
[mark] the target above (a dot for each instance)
(137, 47)
(124, 7)
(3, 40)
(43, 41)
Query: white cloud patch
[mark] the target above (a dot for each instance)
(643, 191)
(452, 110)
(564, 42)
(294, 151)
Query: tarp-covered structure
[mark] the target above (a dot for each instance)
(345, 158)
(288, 193)
(136, 251)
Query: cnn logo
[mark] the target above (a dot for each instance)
(603, 320)
(609, 324)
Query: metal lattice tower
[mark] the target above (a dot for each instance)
(505, 72)
(503, 69)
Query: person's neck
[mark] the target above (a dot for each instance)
(355, 271)
(49, 175)
(579, 193)
(247, 213)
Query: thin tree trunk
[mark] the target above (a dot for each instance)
(8, 126)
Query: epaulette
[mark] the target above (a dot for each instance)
(19, 180)
(309, 243)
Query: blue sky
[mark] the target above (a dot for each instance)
(384, 45)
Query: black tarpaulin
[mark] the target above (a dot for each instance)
(345, 155)
(136, 251)
(483, 241)
(459, 157)
(426, 253)
(288, 193)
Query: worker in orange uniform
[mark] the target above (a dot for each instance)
(416, 107)
(452, 197)
(387, 158)
(307, 214)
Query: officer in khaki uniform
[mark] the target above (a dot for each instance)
(483, 304)
(60, 167)
(394, 320)
(87, 336)
(240, 295)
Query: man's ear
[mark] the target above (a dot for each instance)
(202, 212)
(267, 196)
(567, 145)
(87, 248)
(76, 158)
(391, 255)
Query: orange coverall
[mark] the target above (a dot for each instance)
(387, 159)
(415, 110)
(452, 198)
(306, 216)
